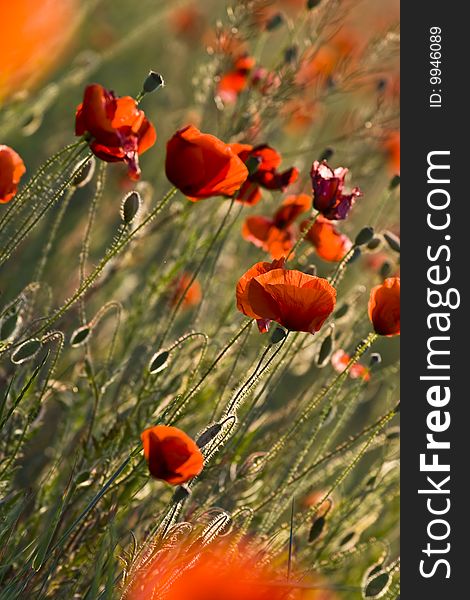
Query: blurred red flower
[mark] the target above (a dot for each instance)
(329, 243)
(236, 80)
(291, 298)
(224, 569)
(35, 36)
(340, 360)
(384, 307)
(118, 130)
(193, 295)
(262, 162)
(328, 197)
(171, 455)
(11, 170)
(200, 165)
(276, 235)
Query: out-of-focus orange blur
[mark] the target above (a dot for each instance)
(35, 34)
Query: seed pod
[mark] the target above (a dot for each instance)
(316, 529)
(394, 182)
(26, 351)
(278, 335)
(130, 207)
(392, 240)
(208, 435)
(374, 243)
(378, 585)
(158, 362)
(274, 22)
(80, 336)
(85, 174)
(364, 236)
(152, 82)
(325, 350)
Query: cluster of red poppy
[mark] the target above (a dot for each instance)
(201, 166)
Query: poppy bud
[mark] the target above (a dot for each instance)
(130, 207)
(85, 175)
(80, 336)
(290, 54)
(377, 585)
(394, 182)
(158, 362)
(385, 269)
(152, 82)
(274, 22)
(392, 240)
(208, 434)
(373, 244)
(356, 253)
(8, 325)
(278, 335)
(364, 236)
(326, 154)
(313, 4)
(316, 529)
(26, 351)
(326, 349)
(375, 359)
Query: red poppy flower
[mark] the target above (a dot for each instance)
(193, 295)
(328, 197)
(276, 235)
(11, 170)
(171, 455)
(293, 299)
(201, 165)
(264, 161)
(118, 129)
(236, 80)
(384, 307)
(330, 244)
(340, 360)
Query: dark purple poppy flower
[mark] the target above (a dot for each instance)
(328, 197)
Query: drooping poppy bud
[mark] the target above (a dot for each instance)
(117, 128)
(384, 307)
(171, 455)
(200, 165)
(11, 170)
(328, 196)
